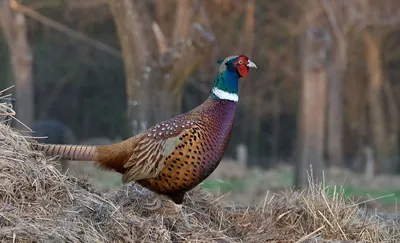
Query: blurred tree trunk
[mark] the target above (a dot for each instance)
(246, 43)
(393, 124)
(247, 37)
(225, 6)
(335, 116)
(14, 29)
(355, 93)
(311, 131)
(161, 12)
(136, 55)
(337, 68)
(155, 67)
(381, 143)
(276, 121)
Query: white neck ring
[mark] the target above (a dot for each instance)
(223, 95)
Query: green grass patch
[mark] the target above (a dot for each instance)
(224, 186)
(385, 196)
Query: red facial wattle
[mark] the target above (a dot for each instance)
(242, 70)
(241, 66)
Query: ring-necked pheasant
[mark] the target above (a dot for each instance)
(173, 156)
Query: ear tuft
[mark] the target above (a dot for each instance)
(220, 61)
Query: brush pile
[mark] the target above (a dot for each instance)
(39, 204)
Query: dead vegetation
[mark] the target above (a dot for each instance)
(39, 204)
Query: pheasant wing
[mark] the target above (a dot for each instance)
(154, 147)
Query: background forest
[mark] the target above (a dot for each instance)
(325, 91)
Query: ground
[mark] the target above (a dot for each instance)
(39, 204)
(248, 186)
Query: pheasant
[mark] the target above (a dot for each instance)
(173, 156)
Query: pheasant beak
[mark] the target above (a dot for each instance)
(251, 64)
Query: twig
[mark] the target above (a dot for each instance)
(312, 234)
(4, 90)
(332, 20)
(340, 37)
(160, 39)
(64, 29)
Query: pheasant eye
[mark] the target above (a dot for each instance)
(240, 62)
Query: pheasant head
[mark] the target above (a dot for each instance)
(225, 86)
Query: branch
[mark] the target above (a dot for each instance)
(373, 17)
(64, 29)
(204, 36)
(333, 20)
(204, 26)
(184, 14)
(5, 20)
(160, 39)
(295, 27)
(338, 33)
(394, 20)
(190, 56)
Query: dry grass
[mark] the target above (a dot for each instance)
(39, 204)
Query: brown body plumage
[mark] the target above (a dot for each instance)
(173, 156)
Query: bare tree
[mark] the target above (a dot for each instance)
(375, 84)
(371, 23)
(376, 23)
(340, 25)
(155, 76)
(14, 29)
(245, 46)
(136, 56)
(311, 131)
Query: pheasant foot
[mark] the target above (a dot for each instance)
(155, 204)
(179, 209)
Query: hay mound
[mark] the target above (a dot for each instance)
(38, 204)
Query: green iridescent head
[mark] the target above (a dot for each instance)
(225, 86)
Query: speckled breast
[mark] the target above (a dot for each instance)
(200, 148)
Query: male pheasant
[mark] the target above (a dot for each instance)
(173, 156)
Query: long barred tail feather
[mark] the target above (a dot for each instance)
(69, 152)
